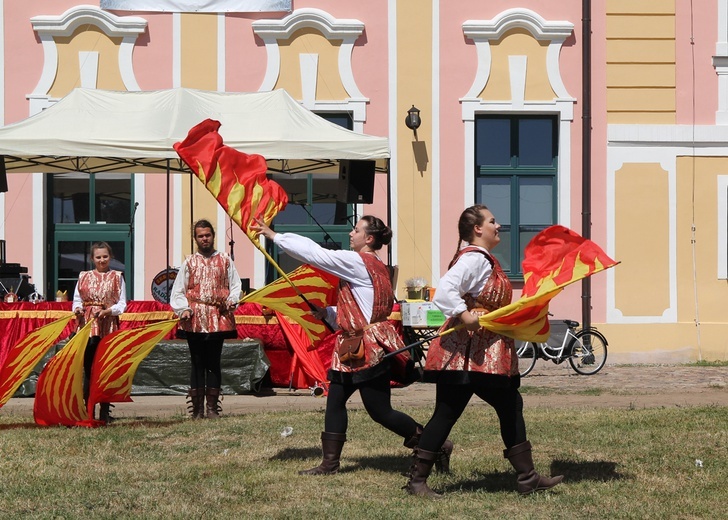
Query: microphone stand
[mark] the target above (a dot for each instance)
(232, 242)
(131, 241)
(327, 237)
(133, 214)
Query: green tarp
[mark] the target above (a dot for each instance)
(166, 370)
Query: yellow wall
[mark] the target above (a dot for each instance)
(712, 293)
(641, 192)
(328, 79)
(413, 211)
(199, 54)
(86, 39)
(642, 280)
(641, 61)
(518, 42)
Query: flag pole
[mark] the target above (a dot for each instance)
(260, 248)
(423, 341)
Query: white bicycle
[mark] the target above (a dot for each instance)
(586, 349)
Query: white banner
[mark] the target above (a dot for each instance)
(198, 6)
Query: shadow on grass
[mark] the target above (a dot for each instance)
(499, 481)
(145, 422)
(298, 454)
(116, 423)
(19, 426)
(596, 470)
(493, 482)
(384, 463)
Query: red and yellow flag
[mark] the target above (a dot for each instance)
(59, 392)
(26, 354)
(319, 288)
(237, 180)
(555, 258)
(117, 358)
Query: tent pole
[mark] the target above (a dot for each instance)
(389, 211)
(192, 219)
(167, 242)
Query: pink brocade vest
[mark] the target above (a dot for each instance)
(100, 291)
(379, 336)
(207, 288)
(482, 351)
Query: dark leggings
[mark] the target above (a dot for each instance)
(376, 395)
(450, 402)
(88, 361)
(205, 355)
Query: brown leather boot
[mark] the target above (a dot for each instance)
(528, 480)
(331, 446)
(213, 403)
(417, 484)
(196, 403)
(442, 463)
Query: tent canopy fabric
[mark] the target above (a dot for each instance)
(95, 131)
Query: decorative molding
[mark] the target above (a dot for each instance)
(346, 30)
(720, 62)
(128, 28)
(482, 32)
(722, 238)
(667, 159)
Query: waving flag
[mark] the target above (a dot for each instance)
(117, 359)
(555, 258)
(307, 370)
(237, 180)
(59, 392)
(26, 354)
(319, 287)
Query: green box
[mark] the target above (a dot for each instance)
(435, 318)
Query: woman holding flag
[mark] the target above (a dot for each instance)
(100, 295)
(474, 360)
(365, 300)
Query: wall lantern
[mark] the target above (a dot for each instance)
(413, 120)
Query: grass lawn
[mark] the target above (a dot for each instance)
(648, 463)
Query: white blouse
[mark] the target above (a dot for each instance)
(347, 265)
(467, 276)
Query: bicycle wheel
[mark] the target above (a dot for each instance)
(588, 352)
(526, 356)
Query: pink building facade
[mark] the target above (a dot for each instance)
(499, 88)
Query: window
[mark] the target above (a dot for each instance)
(86, 208)
(313, 209)
(516, 159)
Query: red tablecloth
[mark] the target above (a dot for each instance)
(18, 319)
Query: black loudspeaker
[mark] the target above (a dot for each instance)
(3, 175)
(356, 182)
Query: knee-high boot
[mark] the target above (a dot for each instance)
(442, 463)
(196, 403)
(528, 480)
(331, 446)
(213, 403)
(417, 484)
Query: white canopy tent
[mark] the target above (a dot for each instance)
(96, 131)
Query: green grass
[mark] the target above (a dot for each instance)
(617, 464)
(717, 363)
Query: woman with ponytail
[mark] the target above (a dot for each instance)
(474, 360)
(365, 300)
